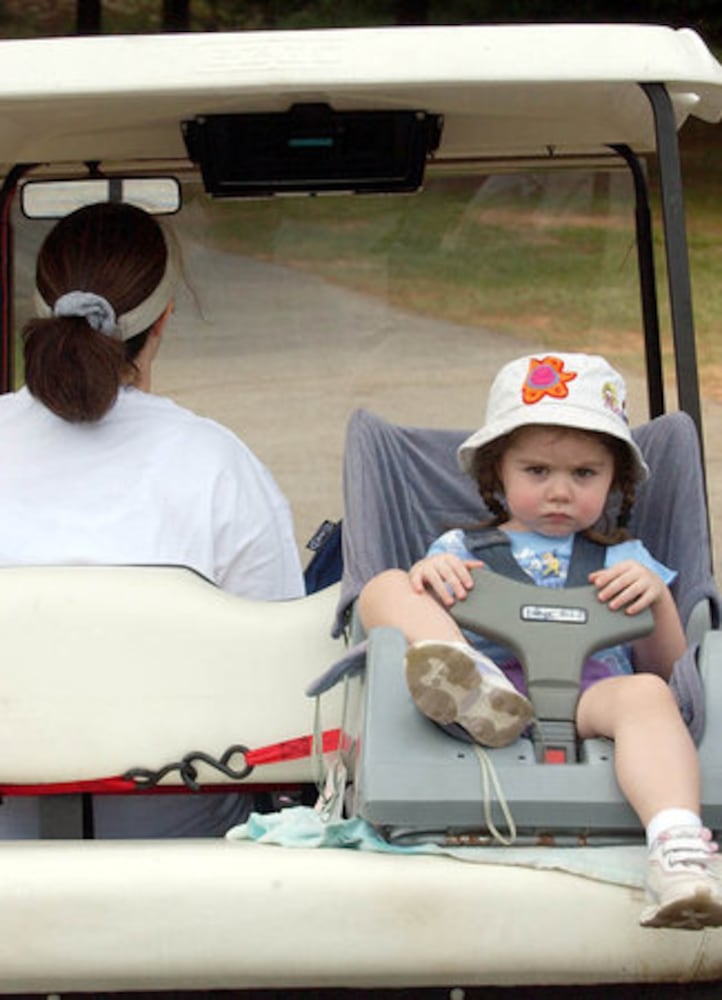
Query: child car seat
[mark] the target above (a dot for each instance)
(403, 488)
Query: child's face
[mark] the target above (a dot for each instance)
(555, 480)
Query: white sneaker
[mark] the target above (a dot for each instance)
(684, 889)
(451, 682)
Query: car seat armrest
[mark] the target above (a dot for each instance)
(709, 661)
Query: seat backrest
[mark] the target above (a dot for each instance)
(403, 487)
(111, 668)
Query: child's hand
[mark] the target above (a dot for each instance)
(628, 585)
(446, 575)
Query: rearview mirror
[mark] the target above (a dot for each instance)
(53, 199)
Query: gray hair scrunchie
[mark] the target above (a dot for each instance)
(94, 308)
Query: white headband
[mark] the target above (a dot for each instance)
(100, 314)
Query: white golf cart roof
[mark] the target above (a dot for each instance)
(160, 915)
(503, 91)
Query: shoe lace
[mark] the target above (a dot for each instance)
(687, 849)
(490, 777)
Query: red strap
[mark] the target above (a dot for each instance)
(302, 746)
(92, 785)
(295, 749)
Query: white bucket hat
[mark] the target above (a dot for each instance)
(582, 391)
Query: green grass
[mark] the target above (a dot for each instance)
(550, 259)
(554, 261)
(515, 266)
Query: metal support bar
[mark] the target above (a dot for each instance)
(647, 283)
(680, 291)
(7, 346)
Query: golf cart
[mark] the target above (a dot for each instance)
(210, 691)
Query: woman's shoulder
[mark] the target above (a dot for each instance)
(12, 402)
(180, 438)
(162, 417)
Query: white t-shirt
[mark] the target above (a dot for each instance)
(150, 483)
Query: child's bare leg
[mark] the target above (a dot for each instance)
(389, 599)
(658, 771)
(655, 758)
(449, 681)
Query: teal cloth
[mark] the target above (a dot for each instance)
(302, 826)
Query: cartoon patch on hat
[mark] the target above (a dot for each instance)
(610, 398)
(546, 378)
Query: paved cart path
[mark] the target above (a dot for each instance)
(283, 358)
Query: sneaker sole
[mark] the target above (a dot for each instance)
(447, 687)
(693, 912)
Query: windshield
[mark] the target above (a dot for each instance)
(295, 311)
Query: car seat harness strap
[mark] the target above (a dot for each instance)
(493, 547)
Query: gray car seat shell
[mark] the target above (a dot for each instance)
(415, 781)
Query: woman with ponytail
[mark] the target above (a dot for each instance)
(96, 469)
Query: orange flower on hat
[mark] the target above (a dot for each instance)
(546, 377)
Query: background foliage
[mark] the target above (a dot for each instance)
(24, 18)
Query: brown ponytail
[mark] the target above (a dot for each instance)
(71, 368)
(116, 251)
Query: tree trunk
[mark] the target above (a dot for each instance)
(88, 17)
(412, 11)
(176, 15)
